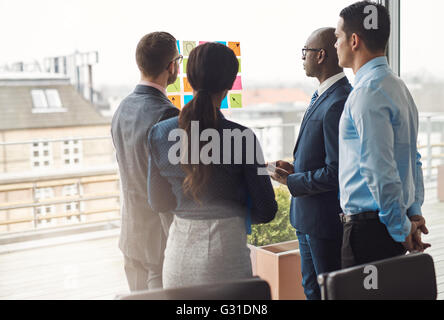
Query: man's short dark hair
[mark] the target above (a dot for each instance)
(154, 52)
(354, 18)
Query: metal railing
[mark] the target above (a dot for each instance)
(24, 211)
(29, 182)
(432, 126)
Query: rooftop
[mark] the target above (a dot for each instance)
(16, 107)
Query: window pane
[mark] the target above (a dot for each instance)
(39, 99)
(421, 27)
(53, 98)
(423, 73)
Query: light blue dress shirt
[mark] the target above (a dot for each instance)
(379, 165)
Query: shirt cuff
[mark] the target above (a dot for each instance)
(398, 227)
(406, 228)
(414, 210)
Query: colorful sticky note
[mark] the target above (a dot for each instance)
(237, 85)
(235, 46)
(175, 99)
(186, 85)
(188, 46)
(174, 87)
(239, 71)
(184, 65)
(178, 46)
(235, 100)
(202, 42)
(187, 98)
(224, 104)
(222, 42)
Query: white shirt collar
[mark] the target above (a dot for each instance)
(324, 86)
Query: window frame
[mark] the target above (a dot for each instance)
(71, 156)
(73, 190)
(41, 158)
(47, 107)
(394, 44)
(44, 193)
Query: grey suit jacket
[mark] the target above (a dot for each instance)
(142, 236)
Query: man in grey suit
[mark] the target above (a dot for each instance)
(144, 232)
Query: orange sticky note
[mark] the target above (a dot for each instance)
(186, 85)
(175, 99)
(235, 46)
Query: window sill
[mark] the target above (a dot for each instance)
(48, 110)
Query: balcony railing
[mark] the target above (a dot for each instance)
(87, 206)
(97, 196)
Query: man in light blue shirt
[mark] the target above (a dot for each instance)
(380, 174)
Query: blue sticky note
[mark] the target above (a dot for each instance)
(223, 42)
(224, 104)
(187, 98)
(178, 46)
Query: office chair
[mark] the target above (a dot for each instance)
(409, 277)
(248, 289)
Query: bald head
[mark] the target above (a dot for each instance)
(319, 63)
(325, 38)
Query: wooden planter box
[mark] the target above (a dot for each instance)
(280, 265)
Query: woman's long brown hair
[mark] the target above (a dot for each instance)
(211, 69)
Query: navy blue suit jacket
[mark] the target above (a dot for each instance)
(314, 186)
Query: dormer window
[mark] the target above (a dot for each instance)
(46, 100)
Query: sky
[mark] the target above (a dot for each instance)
(271, 33)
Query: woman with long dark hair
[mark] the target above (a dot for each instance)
(211, 192)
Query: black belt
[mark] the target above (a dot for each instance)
(345, 218)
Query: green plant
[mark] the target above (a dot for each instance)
(278, 230)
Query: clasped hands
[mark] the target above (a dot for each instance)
(413, 242)
(280, 170)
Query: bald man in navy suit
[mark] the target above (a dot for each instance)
(312, 179)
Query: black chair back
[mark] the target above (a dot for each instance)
(248, 289)
(409, 277)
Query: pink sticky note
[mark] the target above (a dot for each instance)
(202, 42)
(237, 85)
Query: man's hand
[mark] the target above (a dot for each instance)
(280, 175)
(280, 171)
(413, 241)
(416, 237)
(285, 165)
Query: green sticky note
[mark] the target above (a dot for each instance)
(188, 46)
(236, 100)
(174, 87)
(185, 62)
(239, 65)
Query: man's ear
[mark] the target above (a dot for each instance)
(171, 67)
(355, 42)
(322, 55)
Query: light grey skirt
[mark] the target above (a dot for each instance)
(205, 251)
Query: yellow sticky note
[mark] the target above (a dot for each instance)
(235, 46)
(186, 85)
(175, 99)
